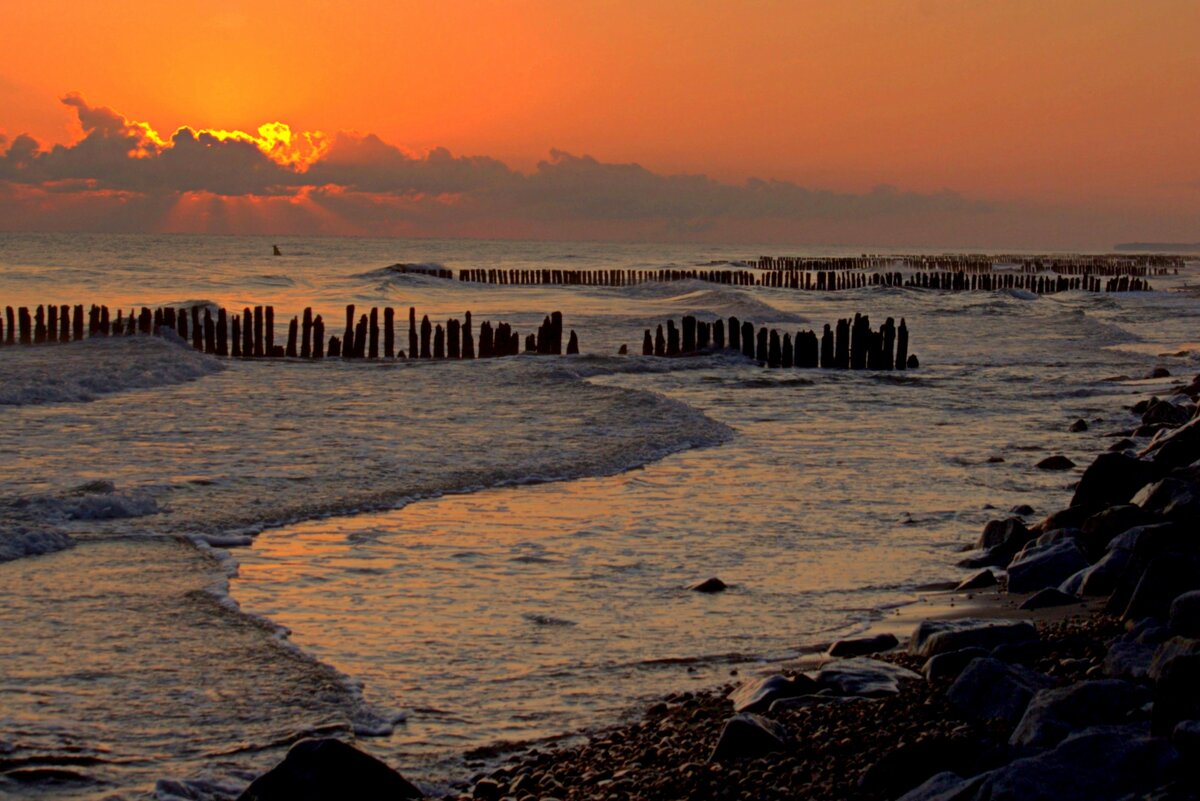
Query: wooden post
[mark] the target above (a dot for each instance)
(735, 334)
(258, 332)
(307, 334)
(530, 343)
(485, 340)
(787, 357)
(293, 335)
(210, 332)
(439, 342)
(389, 333)
(426, 334)
(270, 324)
(52, 323)
(887, 362)
(556, 319)
(573, 344)
(10, 337)
(360, 337)
(748, 339)
(689, 334)
(197, 330)
(902, 346)
(468, 339)
(318, 345)
(237, 336)
(762, 354)
(672, 339)
(222, 333)
(660, 342)
(26, 323)
(182, 320)
(335, 347)
(719, 334)
(841, 357)
(247, 333)
(647, 344)
(454, 339)
(374, 352)
(413, 352)
(348, 336)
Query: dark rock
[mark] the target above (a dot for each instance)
(1168, 651)
(1186, 739)
(1045, 566)
(1166, 577)
(1166, 413)
(1128, 660)
(863, 677)
(1171, 498)
(1101, 578)
(939, 636)
(329, 770)
(1072, 517)
(748, 736)
(1078, 426)
(713, 584)
(757, 695)
(1105, 763)
(863, 646)
(1057, 712)
(1176, 693)
(1185, 614)
(1113, 478)
(1048, 598)
(486, 789)
(1010, 532)
(989, 689)
(1056, 462)
(947, 665)
(977, 581)
(1020, 653)
(1175, 447)
(909, 764)
(1159, 372)
(1123, 444)
(1099, 529)
(945, 786)
(1024, 510)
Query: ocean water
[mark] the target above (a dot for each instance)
(206, 560)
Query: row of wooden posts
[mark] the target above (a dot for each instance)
(251, 334)
(818, 281)
(850, 345)
(1105, 265)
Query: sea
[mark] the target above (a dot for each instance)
(203, 560)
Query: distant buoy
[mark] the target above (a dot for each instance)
(276, 249)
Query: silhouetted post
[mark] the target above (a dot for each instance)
(902, 346)
(454, 340)
(530, 343)
(104, 322)
(787, 358)
(485, 340)
(26, 324)
(374, 351)
(237, 336)
(348, 334)
(468, 338)
(573, 344)
(318, 351)
(197, 329)
(306, 333)
(439, 342)
(827, 348)
(719, 334)
(269, 347)
(145, 321)
(426, 333)
(841, 358)
(52, 323)
(748, 339)
(10, 338)
(762, 354)
(672, 339)
(689, 334)
(556, 320)
(39, 325)
(389, 333)
(360, 337)
(258, 331)
(181, 321)
(293, 335)
(413, 351)
(210, 332)
(93, 320)
(889, 342)
(647, 344)
(335, 347)
(735, 334)
(64, 323)
(247, 333)
(703, 335)
(660, 342)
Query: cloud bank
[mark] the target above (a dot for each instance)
(123, 176)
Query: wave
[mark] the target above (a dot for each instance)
(420, 268)
(85, 371)
(704, 299)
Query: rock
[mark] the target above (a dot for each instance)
(977, 581)
(1113, 478)
(1100, 578)
(1159, 372)
(1171, 498)
(1176, 693)
(1185, 614)
(486, 789)
(748, 736)
(710, 585)
(1166, 577)
(1056, 462)
(1186, 739)
(945, 786)
(1128, 660)
(1024, 510)
(1010, 532)
(757, 696)
(1104, 763)
(1168, 651)
(939, 636)
(909, 764)
(913, 362)
(1100, 529)
(1175, 447)
(863, 646)
(1072, 517)
(329, 770)
(1078, 426)
(1123, 444)
(1055, 713)
(989, 689)
(1046, 566)
(948, 664)
(863, 677)
(1056, 535)
(1047, 598)
(1166, 413)
(623, 350)
(1020, 653)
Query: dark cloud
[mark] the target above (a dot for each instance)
(372, 184)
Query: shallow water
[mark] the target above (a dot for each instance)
(465, 546)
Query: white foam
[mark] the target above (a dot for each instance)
(18, 543)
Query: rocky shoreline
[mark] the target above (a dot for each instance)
(1073, 673)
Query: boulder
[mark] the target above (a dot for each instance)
(1113, 478)
(1166, 577)
(1186, 739)
(863, 677)
(1010, 533)
(1168, 651)
(1055, 713)
(863, 646)
(977, 581)
(1048, 598)
(1123, 444)
(1055, 535)
(1166, 413)
(710, 585)
(1104, 763)
(1071, 517)
(1175, 447)
(945, 786)
(757, 695)
(1056, 462)
(939, 636)
(909, 764)
(1100, 578)
(1046, 566)
(1171, 498)
(1185, 614)
(1099, 529)
(1128, 660)
(948, 664)
(1176, 693)
(329, 770)
(1022, 510)
(748, 736)
(1078, 426)
(989, 689)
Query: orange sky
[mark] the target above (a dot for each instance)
(1090, 107)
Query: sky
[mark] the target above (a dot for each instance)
(1055, 123)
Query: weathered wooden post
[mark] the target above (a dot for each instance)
(360, 337)
(293, 335)
(426, 334)
(198, 330)
(902, 346)
(485, 340)
(889, 343)
(306, 328)
(672, 339)
(439, 342)
(64, 323)
(210, 332)
(573, 344)
(318, 351)
(761, 352)
(348, 335)
(468, 338)
(237, 336)
(787, 358)
(647, 344)
(531, 343)
(719, 334)
(10, 338)
(689, 334)
(556, 320)
(26, 324)
(269, 346)
(858, 343)
(841, 358)
(660, 342)
(748, 339)
(735, 334)
(335, 348)
(52, 323)
(258, 332)
(413, 351)
(389, 333)
(374, 350)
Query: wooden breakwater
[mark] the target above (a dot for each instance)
(1106, 265)
(818, 281)
(251, 333)
(850, 344)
